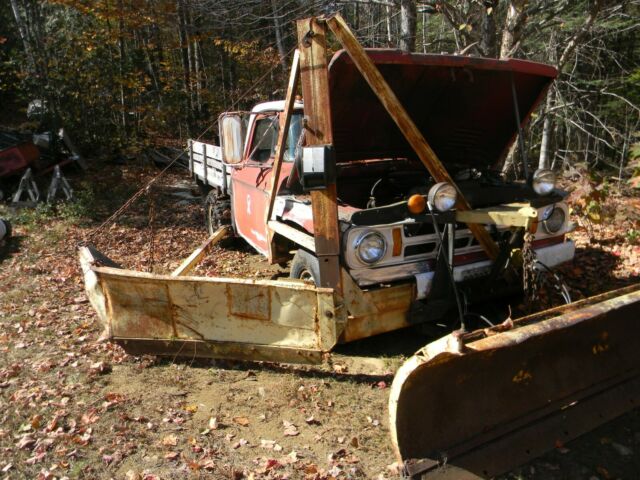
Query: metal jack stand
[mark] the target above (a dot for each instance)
(58, 182)
(27, 185)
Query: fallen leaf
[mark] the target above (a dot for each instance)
(99, 368)
(272, 463)
(290, 429)
(132, 475)
(171, 456)
(36, 421)
(26, 442)
(311, 469)
(311, 421)
(339, 368)
(244, 421)
(170, 441)
(213, 423)
(267, 443)
(207, 464)
(90, 417)
(240, 443)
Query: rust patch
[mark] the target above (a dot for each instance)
(249, 301)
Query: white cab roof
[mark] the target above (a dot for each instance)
(275, 106)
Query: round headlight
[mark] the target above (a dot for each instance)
(555, 221)
(443, 196)
(371, 247)
(544, 181)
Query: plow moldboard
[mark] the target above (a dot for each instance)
(488, 405)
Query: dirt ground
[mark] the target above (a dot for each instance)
(72, 407)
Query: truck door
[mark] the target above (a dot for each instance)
(250, 183)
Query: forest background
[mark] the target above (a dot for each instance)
(126, 74)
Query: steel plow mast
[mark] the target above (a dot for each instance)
(314, 78)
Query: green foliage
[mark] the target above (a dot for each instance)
(77, 211)
(80, 209)
(633, 236)
(34, 217)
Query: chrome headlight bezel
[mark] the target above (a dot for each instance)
(358, 244)
(555, 222)
(543, 181)
(547, 211)
(443, 196)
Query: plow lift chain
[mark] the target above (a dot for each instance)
(539, 280)
(529, 270)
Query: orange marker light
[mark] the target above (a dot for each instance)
(416, 204)
(397, 242)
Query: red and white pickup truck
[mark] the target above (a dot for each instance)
(464, 107)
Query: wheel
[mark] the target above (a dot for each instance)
(217, 211)
(305, 267)
(5, 229)
(203, 188)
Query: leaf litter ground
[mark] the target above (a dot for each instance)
(76, 408)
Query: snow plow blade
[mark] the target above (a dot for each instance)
(481, 403)
(189, 316)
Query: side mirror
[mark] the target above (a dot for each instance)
(231, 137)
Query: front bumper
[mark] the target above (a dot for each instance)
(549, 256)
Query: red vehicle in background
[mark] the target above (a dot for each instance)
(17, 154)
(40, 152)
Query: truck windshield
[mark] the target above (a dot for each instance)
(265, 136)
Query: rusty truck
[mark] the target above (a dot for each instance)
(381, 186)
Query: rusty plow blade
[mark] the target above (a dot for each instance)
(479, 404)
(190, 316)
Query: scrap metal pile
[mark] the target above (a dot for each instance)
(36, 158)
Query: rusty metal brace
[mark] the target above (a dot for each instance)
(27, 185)
(58, 181)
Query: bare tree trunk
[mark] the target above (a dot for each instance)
(198, 75)
(121, 52)
(279, 44)
(514, 22)
(388, 23)
(184, 52)
(547, 127)
(408, 13)
(22, 30)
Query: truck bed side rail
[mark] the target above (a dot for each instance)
(205, 164)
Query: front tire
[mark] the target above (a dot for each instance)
(305, 266)
(217, 211)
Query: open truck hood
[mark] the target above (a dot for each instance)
(462, 105)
